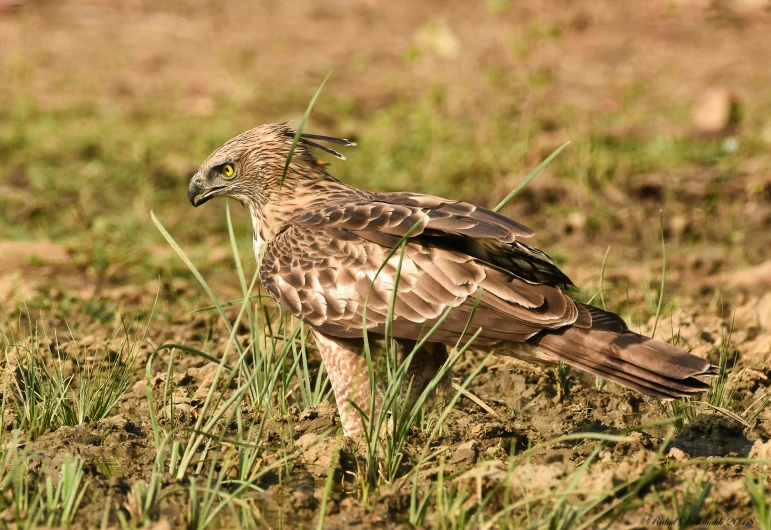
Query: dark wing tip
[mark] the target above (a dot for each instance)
(711, 370)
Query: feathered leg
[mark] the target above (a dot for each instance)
(348, 373)
(347, 369)
(425, 364)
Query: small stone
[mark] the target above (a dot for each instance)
(677, 454)
(716, 111)
(163, 524)
(575, 222)
(332, 507)
(140, 388)
(306, 440)
(181, 408)
(761, 451)
(300, 500)
(764, 312)
(348, 504)
(466, 453)
(730, 144)
(436, 37)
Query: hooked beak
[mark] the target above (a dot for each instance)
(198, 193)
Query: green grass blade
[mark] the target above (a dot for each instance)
(299, 131)
(663, 276)
(530, 177)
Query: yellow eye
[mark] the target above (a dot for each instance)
(228, 170)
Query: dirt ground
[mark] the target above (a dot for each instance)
(106, 109)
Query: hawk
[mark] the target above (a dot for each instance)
(327, 256)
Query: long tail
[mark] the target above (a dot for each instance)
(609, 349)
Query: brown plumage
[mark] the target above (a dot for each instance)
(326, 252)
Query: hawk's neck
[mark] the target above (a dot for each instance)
(294, 199)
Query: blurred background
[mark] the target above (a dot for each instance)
(108, 107)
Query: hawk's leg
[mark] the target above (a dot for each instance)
(348, 373)
(425, 364)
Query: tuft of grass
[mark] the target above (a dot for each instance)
(721, 397)
(760, 498)
(29, 500)
(60, 504)
(207, 501)
(330, 480)
(561, 372)
(685, 506)
(218, 458)
(143, 502)
(680, 412)
(47, 393)
(16, 495)
(460, 501)
(450, 502)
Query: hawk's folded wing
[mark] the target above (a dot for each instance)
(452, 225)
(326, 265)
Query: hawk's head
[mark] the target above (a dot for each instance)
(250, 167)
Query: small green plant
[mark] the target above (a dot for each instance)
(680, 412)
(720, 397)
(686, 504)
(760, 498)
(40, 397)
(561, 373)
(15, 494)
(22, 498)
(257, 373)
(328, 484)
(450, 508)
(101, 387)
(143, 502)
(60, 504)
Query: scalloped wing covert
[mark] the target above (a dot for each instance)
(325, 266)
